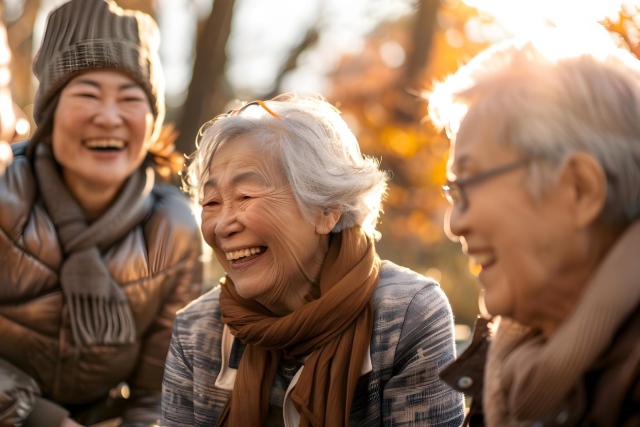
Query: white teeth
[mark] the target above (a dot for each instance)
(105, 143)
(241, 253)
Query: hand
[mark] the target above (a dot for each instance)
(68, 422)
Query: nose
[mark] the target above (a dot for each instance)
(109, 115)
(454, 223)
(227, 223)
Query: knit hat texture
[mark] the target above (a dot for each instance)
(87, 35)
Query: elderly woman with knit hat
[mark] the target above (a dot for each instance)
(97, 255)
(309, 326)
(544, 185)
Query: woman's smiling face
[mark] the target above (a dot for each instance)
(252, 221)
(102, 129)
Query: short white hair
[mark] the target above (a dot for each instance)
(319, 156)
(552, 97)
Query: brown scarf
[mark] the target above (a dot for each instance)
(99, 309)
(528, 377)
(334, 329)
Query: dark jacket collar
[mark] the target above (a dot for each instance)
(466, 373)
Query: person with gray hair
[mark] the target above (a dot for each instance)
(309, 326)
(544, 186)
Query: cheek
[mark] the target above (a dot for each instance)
(59, 133)
(145, 128)
(282, 220)
(58, 149)
(63, 149)
(207, 226)
(70, 113)
(533, 244)
(520, 260)
(529, 269)
(278, 220)
(267, 225)
(140, 127)
(68, 123)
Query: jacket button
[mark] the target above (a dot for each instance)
(465, 382)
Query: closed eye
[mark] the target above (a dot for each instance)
(133, 99)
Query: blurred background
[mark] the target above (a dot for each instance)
(371, 58)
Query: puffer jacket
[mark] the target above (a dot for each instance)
(43, 375)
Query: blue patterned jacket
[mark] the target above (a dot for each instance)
(412, 341)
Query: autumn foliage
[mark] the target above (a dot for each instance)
(379, 91)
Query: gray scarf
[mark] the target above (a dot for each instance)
(99, 308)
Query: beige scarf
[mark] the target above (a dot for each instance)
(334, 329)
(98, 307)
(528, 377)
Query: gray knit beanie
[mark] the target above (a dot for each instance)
(86, 35)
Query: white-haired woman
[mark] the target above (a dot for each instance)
(309, 327)
(545, 189)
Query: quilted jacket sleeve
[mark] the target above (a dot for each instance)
(20, 401)
(182, 284)
(143, 408)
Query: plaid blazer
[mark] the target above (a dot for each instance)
(412, 341)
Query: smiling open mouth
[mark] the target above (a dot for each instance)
(244, 255)
(105, 144)
(483, 260)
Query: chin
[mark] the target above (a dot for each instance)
(496, 307)
(103, 176)
(245, 290)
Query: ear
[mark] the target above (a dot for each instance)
(326, 220)
(588, 188)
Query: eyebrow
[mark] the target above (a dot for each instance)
(241, 177)
(461, 162)
(452, 171)
(97, 85)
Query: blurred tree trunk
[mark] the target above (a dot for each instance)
(310, 39)
(20, 35)
(208, 91)
(424, 27)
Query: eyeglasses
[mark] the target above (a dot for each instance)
(256, 102)
(454, 191)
